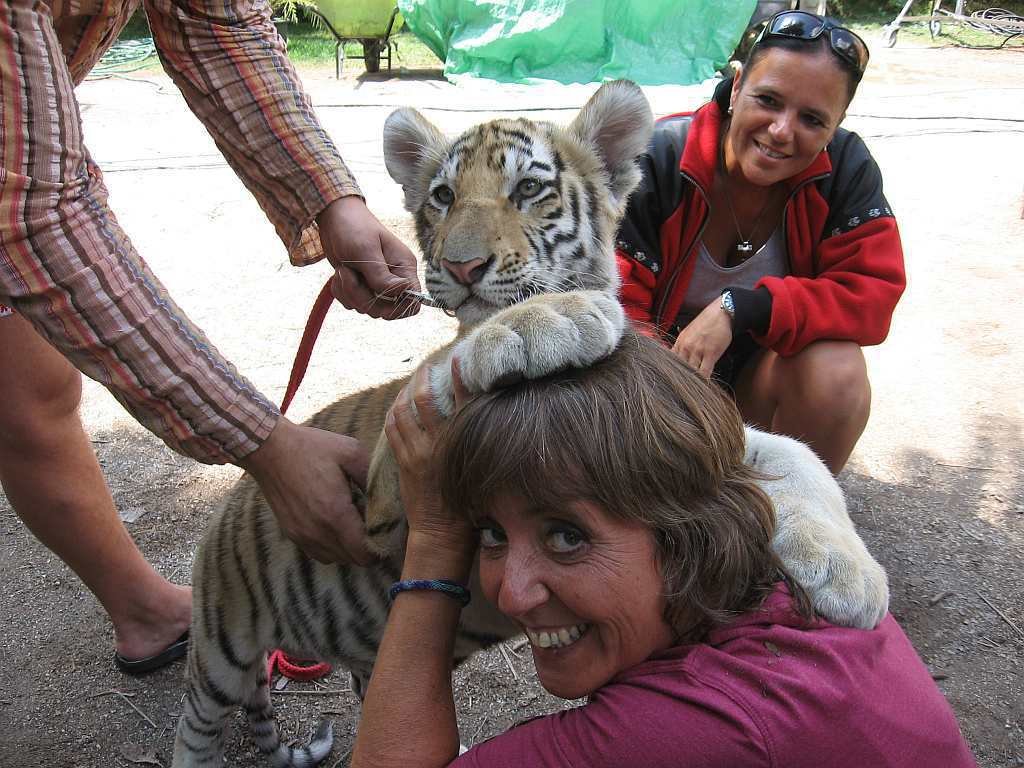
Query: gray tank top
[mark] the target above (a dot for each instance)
(710, 278)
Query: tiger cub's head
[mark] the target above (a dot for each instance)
(513, 208)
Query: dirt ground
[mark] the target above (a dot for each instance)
(935, 485)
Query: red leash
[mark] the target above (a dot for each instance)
(313, 325)
(302, 669)
(296, 669)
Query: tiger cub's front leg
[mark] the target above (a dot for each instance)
(536, 338)
(814, 535)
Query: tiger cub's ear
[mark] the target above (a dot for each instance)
(413, 150)
(617, 123)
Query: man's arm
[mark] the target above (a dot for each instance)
(230, 64)
(68, 268)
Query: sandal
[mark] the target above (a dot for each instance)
(172, 652)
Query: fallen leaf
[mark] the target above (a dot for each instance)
(135, 753)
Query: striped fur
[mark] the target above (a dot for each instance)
(253, 588)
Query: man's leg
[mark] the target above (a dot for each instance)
(52, 479)
(820, 396)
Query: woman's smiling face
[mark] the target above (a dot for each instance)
(784, 113)
(585, 587)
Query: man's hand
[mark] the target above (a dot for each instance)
(369, 261)
(304, 474)
(703, 342)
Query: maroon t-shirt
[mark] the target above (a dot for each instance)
(770, 689)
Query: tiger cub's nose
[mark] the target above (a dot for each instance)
(467, 272)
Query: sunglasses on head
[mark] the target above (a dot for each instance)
(800, 25)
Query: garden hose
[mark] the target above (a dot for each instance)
(125, 56)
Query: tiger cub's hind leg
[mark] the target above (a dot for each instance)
(217, 688)
(260, 712)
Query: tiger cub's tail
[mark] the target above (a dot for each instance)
(296, 757)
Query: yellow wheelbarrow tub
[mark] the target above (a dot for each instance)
(369, 22)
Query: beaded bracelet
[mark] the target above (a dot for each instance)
(450, 588)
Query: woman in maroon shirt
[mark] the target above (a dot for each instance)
(620, 526)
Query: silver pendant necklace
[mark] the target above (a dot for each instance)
(744, 247)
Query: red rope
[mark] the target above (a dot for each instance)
(302, 669)
(313, 325)
(296, 669)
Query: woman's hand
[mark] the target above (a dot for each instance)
(703, 342)
(412, 426)
(408, 716)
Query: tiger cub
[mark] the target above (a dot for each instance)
(516, 221)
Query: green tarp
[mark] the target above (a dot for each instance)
(653, 42)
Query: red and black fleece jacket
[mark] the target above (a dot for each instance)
(845, 258)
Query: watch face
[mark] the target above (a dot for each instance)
(727, 304)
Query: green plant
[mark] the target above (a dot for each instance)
(288, 10)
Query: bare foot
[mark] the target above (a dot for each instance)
(152, 626)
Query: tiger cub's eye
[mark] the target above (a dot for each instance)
(443, 195)
(528, 188)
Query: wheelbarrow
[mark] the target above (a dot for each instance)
(368, 22)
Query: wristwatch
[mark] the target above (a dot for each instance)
(728, 306)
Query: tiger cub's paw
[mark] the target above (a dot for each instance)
(540, 336)
(845, 583)
(814, 536)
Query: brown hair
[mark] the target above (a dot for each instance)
(646, 438)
